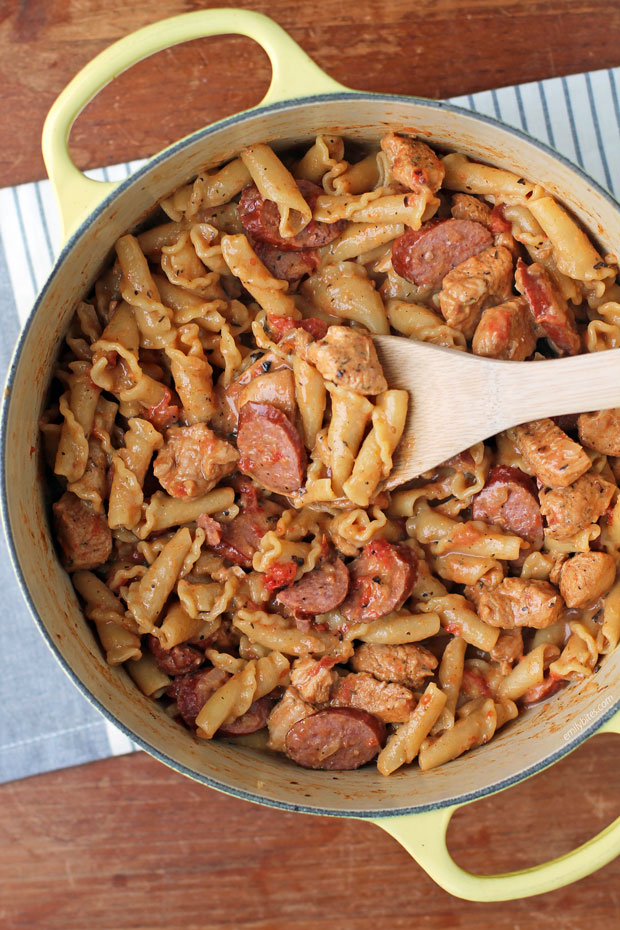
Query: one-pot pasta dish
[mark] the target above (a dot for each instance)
(220, 430)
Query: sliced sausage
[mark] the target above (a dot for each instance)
(176, 661)
(586, 577)
(568, 510)
(212, 529)
(600, 430)
(191, 692)
(261, 220)
(549, 308)
(521, 602)
(425, 256)
(193, 460)
(284, 715)
(255, 718)
(506, 331)
(241, 537)
(318, 591)
(229, 397)
(339, 738)
(276, 388)
(509, 500)
(287, 265)
(549, 453)
(84, 536)
(481, 281)
(381, 580)
(271, 450)
(412, 162)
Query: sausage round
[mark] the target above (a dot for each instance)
(549, 308)
(271, 450)
(338, 738)
(287, 265)
(176, 661)
(426, 255)
(240, 538)
(509, 500)
(191, 692)
(255, 718)
(318, 591)
(381, 580)
(261, 220)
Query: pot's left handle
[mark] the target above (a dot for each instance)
(424, 837)
(294, 75)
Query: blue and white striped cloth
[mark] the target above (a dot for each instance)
(578, 115)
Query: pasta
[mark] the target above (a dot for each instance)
(221, 430)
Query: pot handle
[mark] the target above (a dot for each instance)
(294, 75)
(424, 837)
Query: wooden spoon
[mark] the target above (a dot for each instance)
(457, 399)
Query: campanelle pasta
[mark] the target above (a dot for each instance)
(220, 430)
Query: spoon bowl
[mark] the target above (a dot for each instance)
(457, 399)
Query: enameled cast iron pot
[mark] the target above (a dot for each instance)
(414, 807)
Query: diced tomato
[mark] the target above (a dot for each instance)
(164, 413)
(499, 223)
(280, 575)
(281, 325)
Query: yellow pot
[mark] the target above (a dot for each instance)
(414, 807)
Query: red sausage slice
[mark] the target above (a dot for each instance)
(382, 579)
(271, 450)
(192, 691)
(176, 661)
(549, 308)
(255, 718)
(261, 220)
(509, 500)
(339, 738)
(426, 255)
(287, 265)
(240, 539)
(318, 591)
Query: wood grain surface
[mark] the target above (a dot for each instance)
(126, 843)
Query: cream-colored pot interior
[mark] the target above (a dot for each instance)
(536, 738)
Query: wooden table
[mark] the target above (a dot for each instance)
(126, 843)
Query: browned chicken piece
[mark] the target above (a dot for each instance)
(506, 331)
(600, 430)
(467, 207)
(389, 702)
(193, 460)
(348, 359)
(313, 679)
(521, 602)
(84, 536)
(585, 577)
(412, 162)
(289, 709)
(570, 509)
(408, 664)
(489, 580)
(509, 647)
(482, 281)
(549, 453)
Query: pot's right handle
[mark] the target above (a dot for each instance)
(294, 75)
(424, 838)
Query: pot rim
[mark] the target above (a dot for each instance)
(205, 132)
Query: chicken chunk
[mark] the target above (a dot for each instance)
(600, 430)
(287, 711)
(84, 536)
(586, 577)
(570, 509)
(509, 647)
(521, 602)
(549, 453)
(313, 679)
(467, 207)
(392, 703)
(193, 460)
(408, 664)
(506, 331)
(348, 359)
(482, 281)
(412, 162)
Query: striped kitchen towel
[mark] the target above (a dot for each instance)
(46, 723)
